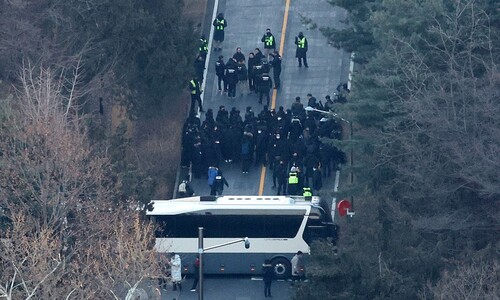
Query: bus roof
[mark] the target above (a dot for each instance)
(197, 203)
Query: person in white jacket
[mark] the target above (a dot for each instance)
(175, 271)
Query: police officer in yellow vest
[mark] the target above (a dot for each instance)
(194, 87)
(301, 52)
(307, 193)
(203, 48)
(293, 181)
(269, 43)
(220, 24)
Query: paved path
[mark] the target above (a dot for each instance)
(248, 21)
(328, 66)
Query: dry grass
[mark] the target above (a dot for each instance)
(157, 141)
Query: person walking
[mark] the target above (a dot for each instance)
(175, 271)
(267, 269)
(242, 73)
(246, 151)
(185, 189)
(301, 51)
(196, 276)
(218, 186)
(265, 84)
(212, 172)
(252, 61)
(269, 43)
(220, 25)
(220, 68)
(194, 87)
(199, 67)
(293, 181)
(276, 65)
(203, 46)
(317, 178)
(231, 77)
(298, 268)
(279, 177)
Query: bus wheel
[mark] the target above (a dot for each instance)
(282, 268)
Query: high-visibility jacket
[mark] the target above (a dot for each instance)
(219, 24)
(269, 41)
(301, 42)
(203, 45)
(193, 86)
(307, 192)
(293, 178)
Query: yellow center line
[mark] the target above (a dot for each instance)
(275, 92)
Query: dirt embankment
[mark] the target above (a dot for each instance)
(157, 141)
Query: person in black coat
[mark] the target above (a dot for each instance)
(264, 86)
(269, 43)
(195, 90)
(276, 65)
(199, 67)
(218, 186)
(258, 54)
(252, 61)
(280, 177)
(301, 51)
(231, 77)
(261, 141)
(220, 68)
(317, 180)
(267, 269)
(220, 24)
(239, 56)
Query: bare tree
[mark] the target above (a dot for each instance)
(478, 280)
(65, 235)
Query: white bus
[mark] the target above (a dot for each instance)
(277, 227)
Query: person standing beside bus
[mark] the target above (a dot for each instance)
(175, 271)
(267, 269)
(298, 267)
(185, 189)
(293, 181)
(196, 266)
(218, 186)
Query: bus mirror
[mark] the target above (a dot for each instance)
(247, 243)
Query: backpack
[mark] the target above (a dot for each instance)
(182, 187)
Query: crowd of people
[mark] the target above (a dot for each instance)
(286, 140)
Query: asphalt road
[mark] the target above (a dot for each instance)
(247, 22)
(231, 288)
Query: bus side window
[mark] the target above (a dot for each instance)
(164, 226)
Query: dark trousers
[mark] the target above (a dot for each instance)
(251, 82)
(231, 90)
(302, 59)
(175, 285)
(215, 191)
(276, 78)
(221, 82)
(196, 98)
(267, 288)
(281, 186)
(262, 94)
(246, 162)
(195, 282)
